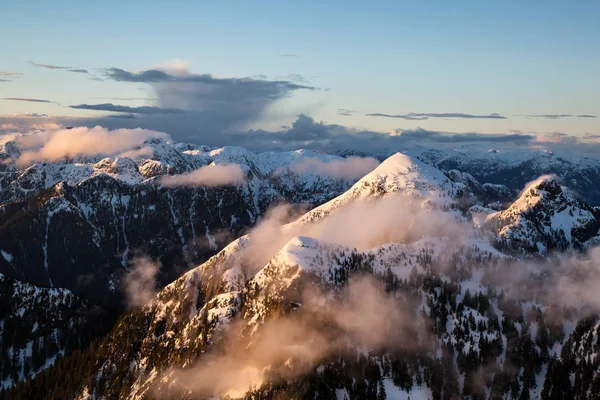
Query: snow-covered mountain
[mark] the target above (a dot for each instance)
(344, 303)
(546, 216)
(509, 166)
(76, 223)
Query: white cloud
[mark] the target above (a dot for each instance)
(209, 175)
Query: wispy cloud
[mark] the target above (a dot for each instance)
(11, 74)
(126, 98)
(345, 112)
(50, 66)
(425, 116)
(558, 116)
(47, 66)
(27, 100)
(145, 110)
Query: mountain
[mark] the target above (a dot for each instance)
(509, 166)
(77, 223)
(392, 289)
(78, 226)
(39, 325)
(546, 216)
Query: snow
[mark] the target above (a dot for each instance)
(395, 393)
(7, 256)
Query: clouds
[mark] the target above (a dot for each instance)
(348, 168)
(7, 75)
(559, 116)
(27, 100)
(213, 106)
(345, 112)
(55, 67)
(140, 284)
(426, 116)
(144, 110)
(210, 175)
(55, 145)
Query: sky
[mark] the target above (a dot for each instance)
(468, 66)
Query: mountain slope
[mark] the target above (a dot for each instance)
(431, 316)
(546, 216)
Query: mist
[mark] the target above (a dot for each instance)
(210, 175)
(139, 283)
(287, 347)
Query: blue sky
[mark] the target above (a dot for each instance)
(387, 57)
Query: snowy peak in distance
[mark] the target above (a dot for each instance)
(403, 175)
(546, 216)
(401, 172)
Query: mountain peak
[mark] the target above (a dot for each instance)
(546, 215)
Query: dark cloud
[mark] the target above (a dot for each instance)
(425, 116)
(122, 116)
(211, 104)
(307, 133)
(144, 110)
(274, 89)
(79, 70)
(558, 116)
(27, 99)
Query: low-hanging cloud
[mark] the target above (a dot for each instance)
(140, 283)
(347, 168)
(56, 145)
(288, 347)
(209, 175)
